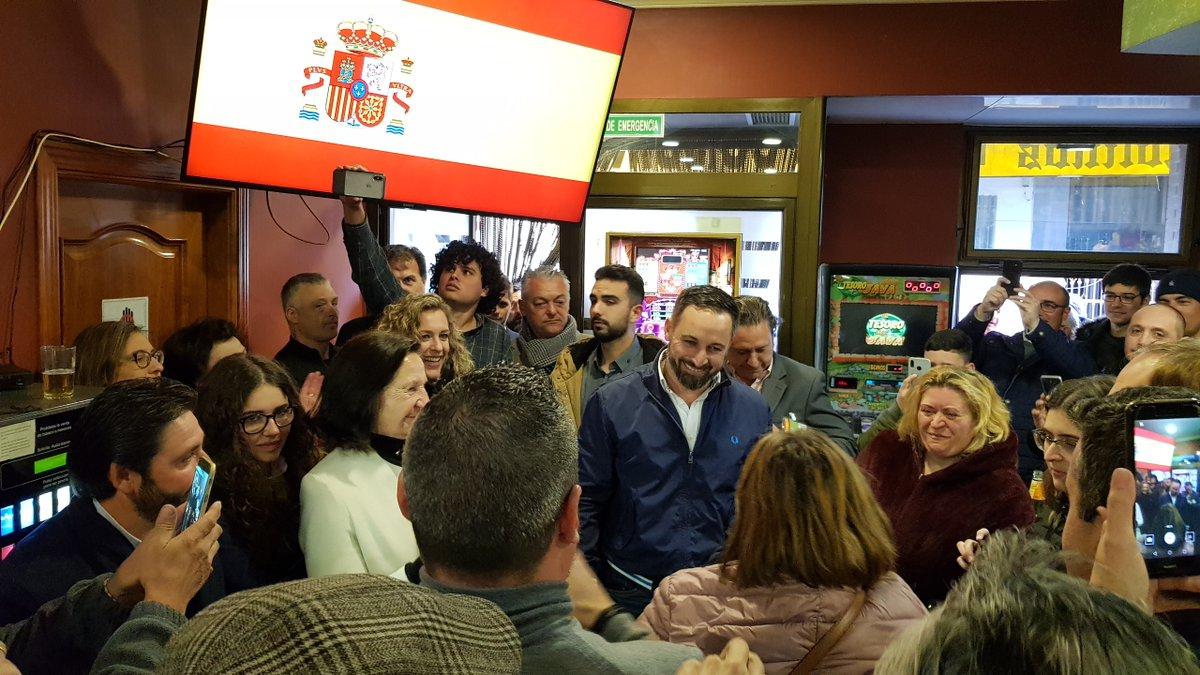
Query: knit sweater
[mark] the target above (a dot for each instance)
(552, 641)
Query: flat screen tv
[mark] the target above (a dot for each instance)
(489, 106)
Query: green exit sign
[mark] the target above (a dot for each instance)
(634, 126)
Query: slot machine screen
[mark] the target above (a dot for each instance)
(885, 330)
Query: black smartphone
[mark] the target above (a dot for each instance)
(1011, 271)
(197, 501)
(1162, 440)
(1049, 383)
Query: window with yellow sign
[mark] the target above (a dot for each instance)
(1102, 197)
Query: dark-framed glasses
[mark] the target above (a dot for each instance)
(1123, 298)
(142, 358)
(1048, 306)
(255, 423)
(1045, 439)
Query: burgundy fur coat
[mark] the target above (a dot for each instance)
(930, 514)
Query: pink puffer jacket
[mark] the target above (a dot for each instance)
(781, 623)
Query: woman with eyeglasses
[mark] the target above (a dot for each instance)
(114, 351)
(261, 442)
(350, 520)
(1058, 436)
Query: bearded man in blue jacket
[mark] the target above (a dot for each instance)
(660, 452)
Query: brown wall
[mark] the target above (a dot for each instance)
(892, 193)
(1068, 46)
(121, 71)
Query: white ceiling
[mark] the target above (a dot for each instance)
(662, 4)
(1166, 111)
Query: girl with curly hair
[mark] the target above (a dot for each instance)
(428, 320)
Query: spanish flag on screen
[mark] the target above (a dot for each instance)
(494, 106)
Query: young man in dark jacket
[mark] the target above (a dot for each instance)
(660, 452)
(1126, 290)
(1016, 363)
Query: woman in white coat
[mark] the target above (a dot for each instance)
(349, 519)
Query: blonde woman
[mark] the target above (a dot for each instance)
(949, 469)
(427, 319)
(807, 537)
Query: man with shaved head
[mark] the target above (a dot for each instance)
(1153, 324)
(1016, 363)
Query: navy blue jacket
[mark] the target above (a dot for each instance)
(1018, 380)
(651, 506)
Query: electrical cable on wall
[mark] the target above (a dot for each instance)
(275, 220)
(7, 205)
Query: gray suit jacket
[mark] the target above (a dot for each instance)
(793, 387)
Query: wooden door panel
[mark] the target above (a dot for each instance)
(115, 224)
(125, 260)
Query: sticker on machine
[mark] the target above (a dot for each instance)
(18, 440)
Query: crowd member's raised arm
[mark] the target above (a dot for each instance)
(1060, 352)
(368, 262)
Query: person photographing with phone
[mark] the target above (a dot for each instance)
(1016, 363)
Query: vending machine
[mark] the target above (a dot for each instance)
(869, 321)
(34, 435)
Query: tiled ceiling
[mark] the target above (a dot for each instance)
(661, 4)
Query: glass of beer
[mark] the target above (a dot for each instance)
(58, 371)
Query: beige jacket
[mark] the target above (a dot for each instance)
(567, 376)
(780, 623)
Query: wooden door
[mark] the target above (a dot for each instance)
(116, 225)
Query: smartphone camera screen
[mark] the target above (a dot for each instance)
(198, 497)
(1167, 510)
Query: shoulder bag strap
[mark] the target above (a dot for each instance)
(830, 639)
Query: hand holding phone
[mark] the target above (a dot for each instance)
(918, 365)
(197, 501)
(1011, 271)
(1049, 383)
(1119, 569)
(1160, 457)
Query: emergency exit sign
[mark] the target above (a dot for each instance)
(634, 126)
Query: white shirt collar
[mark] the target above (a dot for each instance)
(113, 521)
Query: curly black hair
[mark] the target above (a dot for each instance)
(466, 252)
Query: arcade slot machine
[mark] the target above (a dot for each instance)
(870, 320)
(34, 436)
(670, 263)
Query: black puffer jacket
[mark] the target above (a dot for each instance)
(1094, 336)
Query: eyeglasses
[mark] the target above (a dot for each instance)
(142, 357)
(1048, 306)
(1125, 298)
(1045, 439)
(255, 423)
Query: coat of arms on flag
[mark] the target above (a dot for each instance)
(359, 77)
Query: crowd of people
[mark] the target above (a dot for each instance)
(465, 481)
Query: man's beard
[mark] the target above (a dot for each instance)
(149, 500)
(688, 380)
(608, 332)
